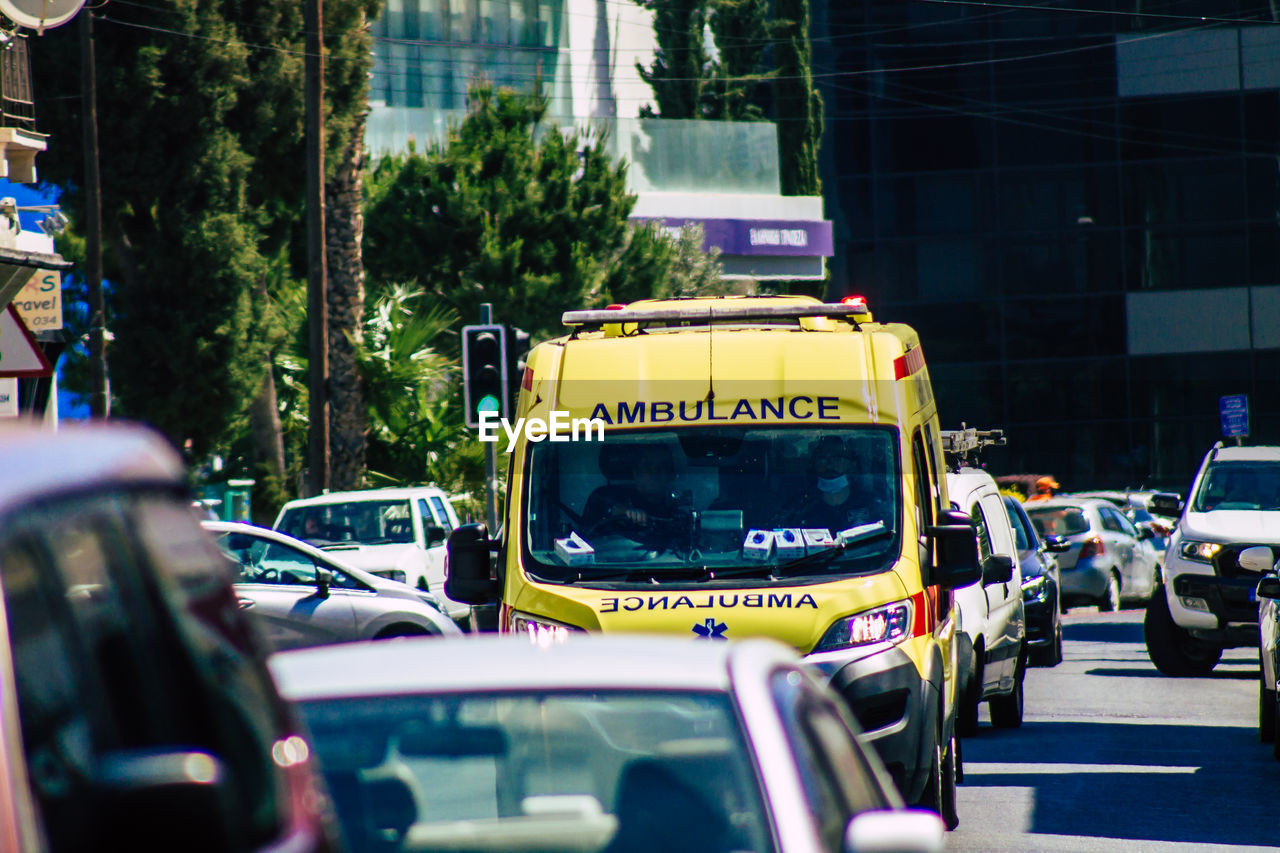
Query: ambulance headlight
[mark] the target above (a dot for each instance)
(1201, 552)
(888, 624)
(541, 631)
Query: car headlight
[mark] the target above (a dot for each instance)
(1201, 552)
(1033, 588)
(540, 631)
(888, 624)
(428, 598)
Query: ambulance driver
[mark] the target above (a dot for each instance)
(836, 502)
(648, 511)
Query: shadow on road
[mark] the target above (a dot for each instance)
(1146, 671)
(1103, 632)
(1153, 782)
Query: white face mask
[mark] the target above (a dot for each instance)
(831, 485)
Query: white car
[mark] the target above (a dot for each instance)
(397, 533)
(302, 596)
(1207, 600)
(992, 623)
(600, 744)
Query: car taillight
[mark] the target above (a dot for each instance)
(1092, 548)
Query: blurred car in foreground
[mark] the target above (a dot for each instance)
(138, 712)
(304, 597)
(1041, 593)
(610, 744)
(1109, 559)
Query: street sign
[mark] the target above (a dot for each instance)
(8, 398)
(39, 303)
(1234, 412)
(20, 355)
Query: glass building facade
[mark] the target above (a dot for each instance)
(1078, 210)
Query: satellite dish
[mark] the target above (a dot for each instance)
(40, 15)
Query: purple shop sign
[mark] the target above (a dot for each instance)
(760, 236)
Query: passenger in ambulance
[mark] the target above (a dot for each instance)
(648, 509)
(839, 497)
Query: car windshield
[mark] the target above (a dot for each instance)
(1058, 520)
(366, 522)
(1239, 485)
(711, 499)
(558, 771)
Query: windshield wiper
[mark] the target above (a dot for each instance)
(847, 539)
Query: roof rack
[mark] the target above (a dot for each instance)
(714, 311)
(966, 442)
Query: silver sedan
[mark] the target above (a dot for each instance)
(594, 744)
(304, 597)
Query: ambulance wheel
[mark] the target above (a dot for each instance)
(940, 791)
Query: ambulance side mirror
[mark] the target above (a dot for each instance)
(468, 573)
(955, 541)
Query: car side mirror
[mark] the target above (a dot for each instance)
(956, 542)
(1168, 504)
(997, 568)
(1258, 558)
(1269, 587)
(1055, 544)
(469, 576)
(152, 796)
(435, 535)
(900, 831)
(324, 579)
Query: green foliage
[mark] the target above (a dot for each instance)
(741, 30)
(797, 104)
(512, 212)
(678, 75)
(200, 113)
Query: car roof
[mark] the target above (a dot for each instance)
(397, 492)
(966, 481)
(1255, 453)
(494, 662)
(39, 462)
(305, 547)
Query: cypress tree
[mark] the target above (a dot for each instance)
(797, 104)
(678, 75)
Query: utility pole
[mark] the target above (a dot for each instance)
(99, 397)
(317, 273)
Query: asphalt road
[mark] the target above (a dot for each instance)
(1113, 756)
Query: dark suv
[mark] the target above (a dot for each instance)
(137, 711)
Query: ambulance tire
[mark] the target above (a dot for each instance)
(940, 790)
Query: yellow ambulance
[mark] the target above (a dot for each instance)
(728, 467)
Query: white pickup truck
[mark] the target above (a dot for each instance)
(396, 533)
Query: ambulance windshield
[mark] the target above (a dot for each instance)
(695, 503)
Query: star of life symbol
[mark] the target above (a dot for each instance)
(711, 630)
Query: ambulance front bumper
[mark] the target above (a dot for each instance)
(892, 703)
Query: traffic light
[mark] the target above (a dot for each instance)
(484, 372)
(517, 349)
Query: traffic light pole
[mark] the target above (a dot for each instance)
(490, 453)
